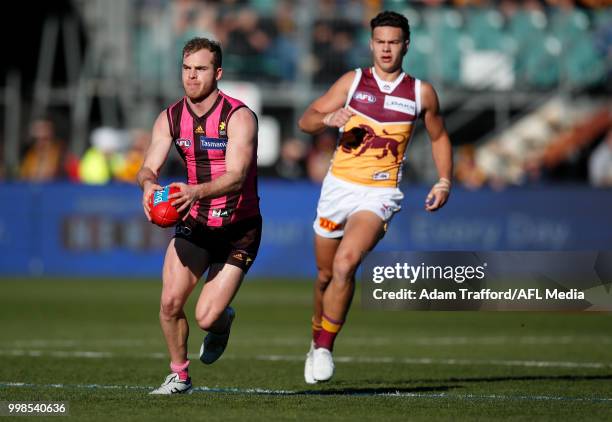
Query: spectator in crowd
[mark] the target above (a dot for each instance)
(291, 164)
(100, 160)
(320, 156)
(248, 41)
(331, 46)
(43, 160)
(467, 172)
(283, 50)
(322, 34)
(129, 163)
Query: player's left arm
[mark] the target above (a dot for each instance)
(239, 153)
(441, 147)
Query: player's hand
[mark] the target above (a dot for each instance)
(438, 195)
(337, 118)
(185, 198)
(147, 190)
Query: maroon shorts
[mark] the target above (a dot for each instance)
(236, 243)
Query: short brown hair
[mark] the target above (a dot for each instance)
(393, 19)
(197, 44)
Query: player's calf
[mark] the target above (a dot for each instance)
(214, 343)
(212, 318)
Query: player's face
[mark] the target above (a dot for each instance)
(388, 48)
(199, 74)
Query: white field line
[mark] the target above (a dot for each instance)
(73, 354)
(265, 391)
(441, 361)
(370, 341)
(43, 343)
(446, 341)
(341, 359)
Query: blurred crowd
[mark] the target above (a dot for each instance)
(564, 140)
(537, 149)
(113, 155)
(260, 44)
(263, 41)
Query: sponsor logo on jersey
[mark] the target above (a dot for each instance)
(199, 129)
(381, 175)
(364, 97)
(213, 143)
(183, 143)
(328, 225)
(221, 212)
(402, 105)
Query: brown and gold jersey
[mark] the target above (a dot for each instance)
(371, 145)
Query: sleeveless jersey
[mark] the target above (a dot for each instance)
(201, 142)
(371, 145)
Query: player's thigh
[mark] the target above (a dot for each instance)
(184, 264)
(222, 284)
(362, 232)
(325, 251)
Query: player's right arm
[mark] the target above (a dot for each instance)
(328, 110)
(156, 155)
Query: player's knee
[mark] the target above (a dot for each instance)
(345, 265)
(171, 306)
(207, 316)
(324, 276)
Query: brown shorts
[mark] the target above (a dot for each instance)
(235, 244)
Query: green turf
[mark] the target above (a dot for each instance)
(444, 365)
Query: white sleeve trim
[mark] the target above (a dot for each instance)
(353, 86)
(417, 95)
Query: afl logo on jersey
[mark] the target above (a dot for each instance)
(183, 143)
(364, 97)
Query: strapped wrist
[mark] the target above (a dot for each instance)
(327, 118)
(443, 185)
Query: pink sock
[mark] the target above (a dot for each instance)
(182, 369)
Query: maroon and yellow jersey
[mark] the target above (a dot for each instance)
(371, 146)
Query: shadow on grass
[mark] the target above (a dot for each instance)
(348, 391)
(605, 377)
(449, 384)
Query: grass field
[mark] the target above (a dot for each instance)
(97, 345)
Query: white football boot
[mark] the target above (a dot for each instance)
(323, 364)
(214, 345)
(173, 385)
(309, 366)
